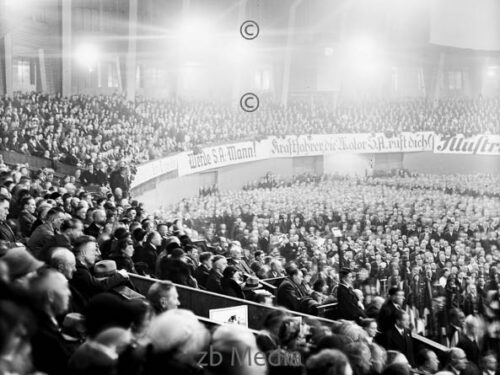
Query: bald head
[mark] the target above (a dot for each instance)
(458, 359)
(63, 260)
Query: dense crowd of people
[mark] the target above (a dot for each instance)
(88, 129)
(387, 257)
(389, 260)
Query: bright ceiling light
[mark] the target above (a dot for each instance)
(87, 55)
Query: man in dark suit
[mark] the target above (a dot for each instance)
(97, 226)
(398, 337)
(83, 280)
(468, 341)
(45, 233)
(264, 240)
(215, 274)
(148, 253)
(203, 270)
(386, 316)
(349, 307)
(238, 262)
(290, 293)
(176, 269)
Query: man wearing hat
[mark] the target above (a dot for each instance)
(83, 280)
(348, 304)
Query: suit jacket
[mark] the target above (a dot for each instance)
(348, 307)
(93, 230)
(26, 220)
(201, 275)
(289, 295)
(41, 238)
(6, 233)
(470, 348)
(241, 266)
(386, 316)
(88, 286)
(402, 343)
(50, 351)
(101, 178)
(231, 288)
(146, 254)
(264, 244)
(214, 282)
(176, 271)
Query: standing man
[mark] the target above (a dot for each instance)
(399, 338)
(349, 306)
(387, 314)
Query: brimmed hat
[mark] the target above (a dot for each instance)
(105, 268)
(73, 327)
(20, 262)
(252, 282)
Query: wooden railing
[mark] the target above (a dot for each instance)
(202, 301)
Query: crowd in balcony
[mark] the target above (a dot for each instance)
(89, 129)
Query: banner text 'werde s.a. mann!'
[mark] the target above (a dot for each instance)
(217, 156)
(357, 143)
(476, 145)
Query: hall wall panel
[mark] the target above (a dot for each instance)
(428, 162)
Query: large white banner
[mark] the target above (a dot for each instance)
(320, 144)
(219, 156)
(155, 168)
(288, 146)
(476, 145)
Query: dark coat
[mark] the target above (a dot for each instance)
(402, 343)
(146, 254)
(386, 316)
(470, 348)
(241, 266)
(348, 304)
(176, 271)
(41, 238)
(88, 286)
(26, 221)
(6, 233)
(289, 295)
(93, 230)
(101, 178)
(231, 288)
(214, 282)
(201, 275)
(50, 351)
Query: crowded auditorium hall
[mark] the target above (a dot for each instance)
(249, 187)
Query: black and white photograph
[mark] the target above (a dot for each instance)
(249, 187)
